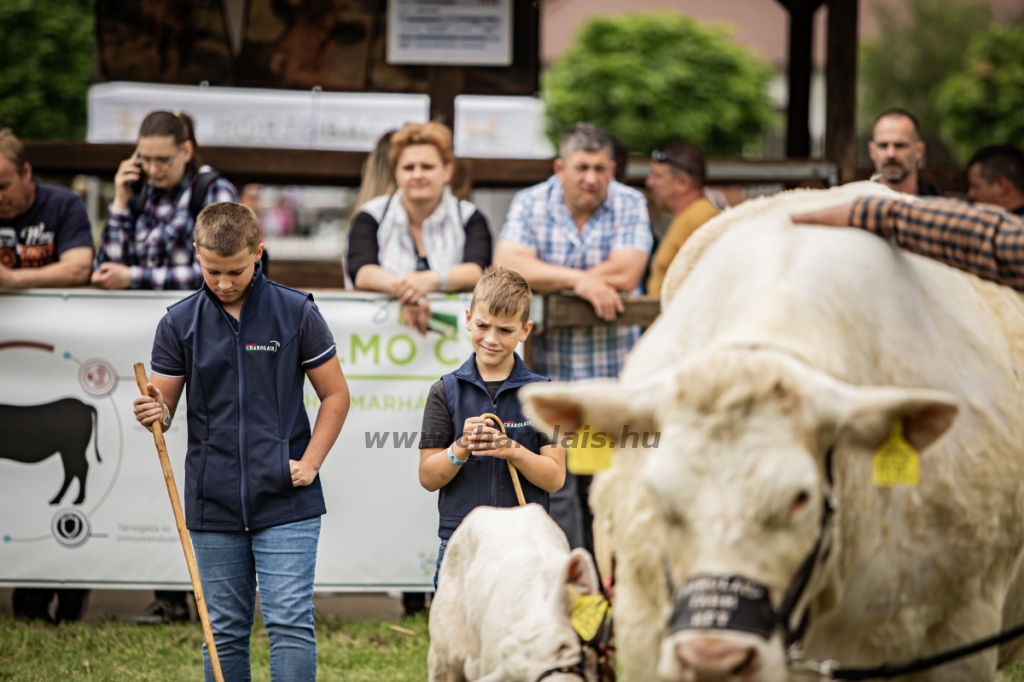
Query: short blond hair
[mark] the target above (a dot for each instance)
(12, 149)
(436, 134)
(226, 228)
(505, 292)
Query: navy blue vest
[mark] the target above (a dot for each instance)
(485, 481)
(246, 416)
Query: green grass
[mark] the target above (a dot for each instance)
(350, 651)
(353, 651)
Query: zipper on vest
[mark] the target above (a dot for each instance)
(239, 356)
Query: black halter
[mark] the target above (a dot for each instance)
(738, 603)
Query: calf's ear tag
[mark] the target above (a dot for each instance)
(589, 612)
(588, 459)
(896, 462)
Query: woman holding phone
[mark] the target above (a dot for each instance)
(158, 192)
(421, 238)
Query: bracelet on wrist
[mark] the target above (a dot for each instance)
(455, 460)
(443, 286)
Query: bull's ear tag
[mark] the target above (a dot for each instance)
(587, 459)
(589, 612)
(896, 462)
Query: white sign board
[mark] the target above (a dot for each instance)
(113, 526)
(250, 117)
(501, 128)
(465, 32)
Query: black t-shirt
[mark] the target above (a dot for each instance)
(438, 430)
(56, 221)
(1018, 211)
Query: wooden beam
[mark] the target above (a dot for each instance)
(568, 310)
(444, 84)
(801, 38)
(841, 88)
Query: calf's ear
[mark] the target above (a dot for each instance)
(870, 412)
(580, 573)
(600, 404)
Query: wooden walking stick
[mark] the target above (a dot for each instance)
(179, 520)
(511, 467)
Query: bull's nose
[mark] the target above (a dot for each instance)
(712, 659)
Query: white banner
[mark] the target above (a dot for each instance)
(113, 526)
(251, 117)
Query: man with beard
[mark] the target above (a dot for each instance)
(896, 148)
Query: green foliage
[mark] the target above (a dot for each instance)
(349, 651)
(902, 66)
(46, 64)
(649, 78)
(983, 103)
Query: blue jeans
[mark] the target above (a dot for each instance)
(283, 559)
(440, 555)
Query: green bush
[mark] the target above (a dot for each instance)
(649, 78)
(913, 54)
(46, 64)
(983, 103)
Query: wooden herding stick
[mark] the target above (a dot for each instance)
(511, 467)
(179, 520)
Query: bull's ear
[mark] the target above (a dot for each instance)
(926, 414)
(580, 573)
(602, 404)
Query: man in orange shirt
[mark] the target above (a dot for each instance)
(676, 182)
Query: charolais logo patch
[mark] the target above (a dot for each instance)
(270, 347)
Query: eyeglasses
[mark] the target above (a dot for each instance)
(157, 161)
(662, 157)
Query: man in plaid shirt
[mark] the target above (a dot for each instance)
(582, 231)
(983, 240)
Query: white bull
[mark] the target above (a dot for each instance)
(502, 610)
(777, 345)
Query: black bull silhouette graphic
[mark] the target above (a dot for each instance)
(32, 433)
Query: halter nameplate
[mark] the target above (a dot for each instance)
(713, 602)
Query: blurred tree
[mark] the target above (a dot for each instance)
(983, 103)
(649, 78)
(914, 53)
(46, 65)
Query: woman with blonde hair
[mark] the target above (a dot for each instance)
(421, 238)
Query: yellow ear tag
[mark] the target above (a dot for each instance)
(588, 459)
(896, 462)
(589, 612)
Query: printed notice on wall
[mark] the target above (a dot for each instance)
(469, 32)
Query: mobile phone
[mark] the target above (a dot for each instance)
(136, 185)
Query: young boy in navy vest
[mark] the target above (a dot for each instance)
(242, 347)
(464, 455)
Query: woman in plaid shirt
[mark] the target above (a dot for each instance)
(149, 246)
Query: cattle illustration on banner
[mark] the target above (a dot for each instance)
(78, 473)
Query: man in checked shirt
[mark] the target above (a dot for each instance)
(983, 240)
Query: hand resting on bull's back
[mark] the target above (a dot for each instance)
(834, 216)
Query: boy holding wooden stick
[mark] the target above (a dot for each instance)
(461, 452)
(242, 347)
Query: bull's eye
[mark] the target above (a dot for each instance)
(799, 502)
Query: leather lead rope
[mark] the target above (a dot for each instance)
(511, 467)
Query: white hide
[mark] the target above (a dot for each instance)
(501, 611)
(772, 341)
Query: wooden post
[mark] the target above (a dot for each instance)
(444, 84)
(841, 88)
(179, 520)
(801, 34)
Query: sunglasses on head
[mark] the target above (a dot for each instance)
(662, 157)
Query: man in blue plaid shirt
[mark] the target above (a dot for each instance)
(582, 231)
